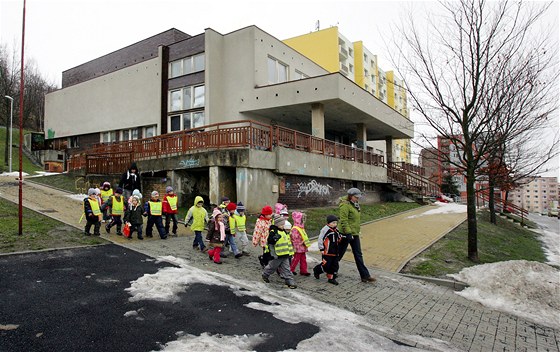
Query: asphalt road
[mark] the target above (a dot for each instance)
(75, 300)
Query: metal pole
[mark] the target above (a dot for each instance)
(21, 89)
(11, 118)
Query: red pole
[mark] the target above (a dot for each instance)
(21, 88)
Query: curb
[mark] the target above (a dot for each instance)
(53, 249)
(454, 284)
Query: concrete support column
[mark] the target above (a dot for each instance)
(389, 149)
(256, 188)
(214, 184)
(361, 133)
(318, 120)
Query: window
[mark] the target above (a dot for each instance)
(73, 142)
(186, 98)
(149, 131)
(187, 65)
(130, 134)
(186, 121)
(350, 52)
(108, 137)
(365, 58)
(175, 123)
(300, 75)
(277, 71)
(351, 68)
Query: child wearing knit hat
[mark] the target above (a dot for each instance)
(216, 235)
(170, 202)
(153, 209)
(229, 222)
(329, 240)
(116, 204)
(300, 241)
(239, 228)
(260, 233)
(92, 213)
(280, 248)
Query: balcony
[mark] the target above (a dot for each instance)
(343, 53)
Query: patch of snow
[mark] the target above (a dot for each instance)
(131, 313)
(347, 332)
(218, 342)
(78, 197)
(14, 174)
(551, 241)
(44, 173)
(527, 289)
(443, 208)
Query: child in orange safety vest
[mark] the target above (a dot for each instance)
(116, 204)
(170, 210)
(92, 213)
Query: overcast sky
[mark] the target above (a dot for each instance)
(61, 34)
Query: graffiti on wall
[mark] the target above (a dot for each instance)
(189, 163)
(313, 187)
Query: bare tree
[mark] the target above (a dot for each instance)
(9, 74)
(464, 75)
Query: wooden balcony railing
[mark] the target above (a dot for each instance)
(238, 134)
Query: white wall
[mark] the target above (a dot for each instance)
(127, 98)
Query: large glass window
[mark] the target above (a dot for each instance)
(175, 100)
(198, 97)
(187, 65)
(108, 137)
(186, 98)
(277, 71)
(175, 123)
(149, 131)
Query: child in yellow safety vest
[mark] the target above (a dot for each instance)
(116, 206)
(92, 213)
(300, 241)
(106, 192)
(153, 209)
(170, 210)
(280, 247)
(237, 226)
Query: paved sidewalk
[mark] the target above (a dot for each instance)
(392, 242)
(398, 305)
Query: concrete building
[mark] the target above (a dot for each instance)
(335, 53)
(173, 82)
(535, 194)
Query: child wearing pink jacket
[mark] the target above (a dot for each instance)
(301, 243)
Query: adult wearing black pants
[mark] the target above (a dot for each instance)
(130, 180)
(349, 215)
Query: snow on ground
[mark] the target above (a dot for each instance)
(551, 241)
(14, 174)
(79, 197)
(527, 289)
(44, 173)
(348, 332)
(443, 208)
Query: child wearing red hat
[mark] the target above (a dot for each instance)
(229, 221)
(260, 234)
(170, 210)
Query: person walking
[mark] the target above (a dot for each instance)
(170, 210)
(280, 247)
(197, 218)
(130, 180)
(349, 217)
(300, 242)
(329, 245)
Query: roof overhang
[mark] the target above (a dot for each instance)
(345, 105)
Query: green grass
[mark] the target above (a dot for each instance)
(506, 241)
(39, 231)
(316, 217)
(27, 166)
(61, 181)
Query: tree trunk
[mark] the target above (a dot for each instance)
(491, 200)
(471, 217)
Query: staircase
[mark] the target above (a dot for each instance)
(408, 180)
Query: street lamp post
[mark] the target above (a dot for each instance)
(11, 116)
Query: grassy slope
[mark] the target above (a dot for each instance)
(28, 167)
(503, 242)
(40, 232)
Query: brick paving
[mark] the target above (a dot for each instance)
(398, 305)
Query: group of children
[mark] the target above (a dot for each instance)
(106, 205)
(284, 246)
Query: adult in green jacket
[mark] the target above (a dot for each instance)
(349, 219)
(197, 218)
